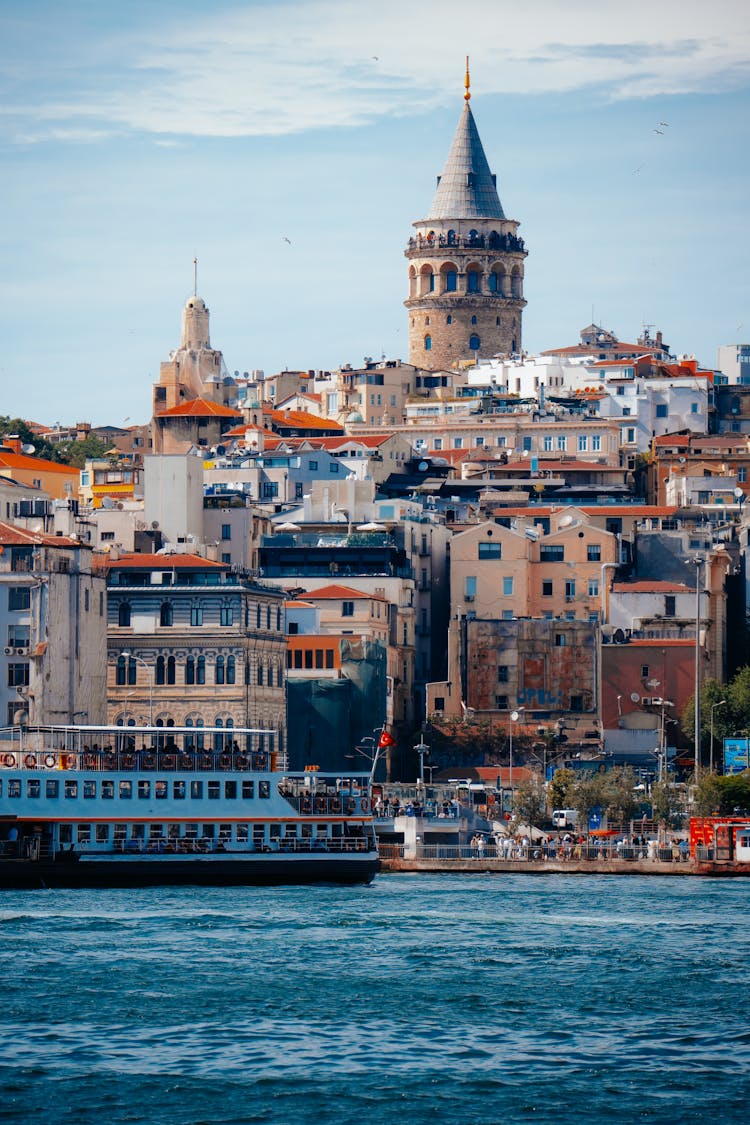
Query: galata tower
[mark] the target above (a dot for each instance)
(465, 263)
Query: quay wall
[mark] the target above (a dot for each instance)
(476, 866)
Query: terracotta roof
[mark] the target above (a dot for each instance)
(134, 561)
(13, 536)
(300, 419)
(599, 510)
(22, 461)
(199, 408)
(335, 591)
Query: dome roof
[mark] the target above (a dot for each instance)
(196, 302)
(355, 416)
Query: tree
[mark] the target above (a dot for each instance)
(723, 796)
(77, 453)
(17, 426)
(560, 789)
(529, 801)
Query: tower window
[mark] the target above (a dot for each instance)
(451, 281)
(432, 283)
(474, 342)
(472, 279)
(473, 320)
(427, 320)
(449, 320)
(427, 343)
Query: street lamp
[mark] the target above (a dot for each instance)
(711, 743)
(513, 717)
(140, 660)
(421, 748)
(699, 561)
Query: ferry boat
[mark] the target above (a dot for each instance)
(112, 806)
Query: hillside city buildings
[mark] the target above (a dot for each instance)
(475, 543)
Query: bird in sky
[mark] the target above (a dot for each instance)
(287, 240)
(660, 132)
(637, 169)
(664, 123)
(376, 58)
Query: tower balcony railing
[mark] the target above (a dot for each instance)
(507, 242)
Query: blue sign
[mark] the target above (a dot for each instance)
(595, 818)
(736, 755)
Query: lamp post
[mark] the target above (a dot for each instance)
(513, 717)
(421, 748)
(140, 660)
(711, 742)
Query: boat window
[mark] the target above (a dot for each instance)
(71, 789)
(213, 791)
(108, 790)
(144, 790)
(137, 831)
(102, 833)
(248, 790)
(307, 831)
(161, 790)
(230, 790)
(209, 831)
(52, 789)
(196, 790)
(66, 833)
(84, 833)
(191, 831)
(241, 833)
(126, 789)
(89, 790)
(264, 790)
(275, 831)
(156, 831)
(121, 830)
(225, 831)
(258, 835)
(178, 790)
(33, 787)
(14, 788)
(173, 831)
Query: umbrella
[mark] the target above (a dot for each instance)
(604, 832)
(287, 527)
(370, 527)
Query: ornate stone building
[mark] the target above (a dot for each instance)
(466, 264)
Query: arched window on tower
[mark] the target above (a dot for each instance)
(427, 343)
(190, 670)
(473, 320)
(451, 281)
(171, 670)
(451, 238)
(474, 342)
(516, 283)
(160, 666)
(472, 281)
(449, 319)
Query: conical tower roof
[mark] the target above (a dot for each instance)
(466, 189)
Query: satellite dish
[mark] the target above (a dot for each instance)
(422, 466)
(635, 697)
(515, 716)
(28, 449)
(566, 521)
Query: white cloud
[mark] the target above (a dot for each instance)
(275, 68)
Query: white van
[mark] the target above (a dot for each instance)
(564, 818)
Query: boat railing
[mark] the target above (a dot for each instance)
(108, 759)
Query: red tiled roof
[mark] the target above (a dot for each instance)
(300, 419)
(199, 408)
(13, 536)
(22, 461)
(163, 562)
(599, 510)
(335, 591)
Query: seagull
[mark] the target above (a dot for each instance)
(664, 123)
(376, 58)
(660, 132)
(287, 240)
(637, 169)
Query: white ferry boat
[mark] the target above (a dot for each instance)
(147, 806)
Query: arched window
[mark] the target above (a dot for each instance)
(451, 238)
(451, 281)
(218, 737)
(231, 673)
(159, 679)
(427, 320)
(200, 671)
(190, 670)
(449, 320)
(166, 617)
(474, 342)
(171, 670)
(123, 614)
(473, 320)
(258, 621)
(278, 618)
(121, 669)
(427, 343)
(189, 738)
(199, 744)
(260, 673)
(132, 671)
(219, 676)
(472, 281)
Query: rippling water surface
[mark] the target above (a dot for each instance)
(475, 999)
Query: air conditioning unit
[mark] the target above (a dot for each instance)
(22, 651)
(7, 650)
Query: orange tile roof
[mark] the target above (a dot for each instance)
(302, 420)
(22, 461)
(199, 408)
(133, 560)
(13, 536)
(335, 591)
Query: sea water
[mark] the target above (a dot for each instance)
(475, 999)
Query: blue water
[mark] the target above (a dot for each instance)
(474, 999)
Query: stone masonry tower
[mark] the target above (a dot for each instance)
(465, 263)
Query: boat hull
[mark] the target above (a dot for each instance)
(202, 871)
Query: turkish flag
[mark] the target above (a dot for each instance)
(386, 739)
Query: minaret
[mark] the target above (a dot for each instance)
(465, 263)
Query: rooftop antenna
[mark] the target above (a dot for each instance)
(467, 83)
(195, 277)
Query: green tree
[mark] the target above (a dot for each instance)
(560, 789)
(723, 796)
(77, 453)
(730, 719)
(622, 801)
(17, 426)
(529, 801)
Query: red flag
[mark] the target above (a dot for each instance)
(386, 739)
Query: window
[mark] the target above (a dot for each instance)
(470, 587)
(226, 531)
(166, 616)
(593, 552)
(18, 675)
(662, 410)
(562, 443)
(693, 407)
(570, 588)
(593, 587)
(200, 670)
(451, 281)
(670, 605)
(190, 670)
(583, 443)
(501, 703)
(160, 670)
(596, 443)
(551, 553)
(226, 615)
(259, 673)
(428, 343)
(347, 609)
(547, 443)
(502, 674)
(196, 616)
(219, 677)
(123, 614)
(472, 281)
(507, 586)
(19, 597)
(490, 551)
(474, 342)
(231, 670)
(526, 444)
(559, 640)
(546, 587)
(171, 669)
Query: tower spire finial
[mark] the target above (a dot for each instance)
(195, 277)
(467, 82)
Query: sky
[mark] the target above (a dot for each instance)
(290, 144)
